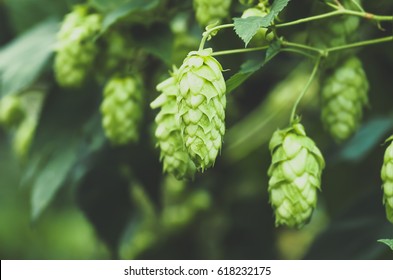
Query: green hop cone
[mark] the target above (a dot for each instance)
(295, 176)
(122, 109)
(201, 102)
(211, 11)
(11, 110)
(262, 37)
(76, 49)
(344, 93)
(387, 179)
(174, 156)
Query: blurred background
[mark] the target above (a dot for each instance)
(67, 193)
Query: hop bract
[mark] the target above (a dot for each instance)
(387, 179)
(211, 11)
(344, 93)
(295, 175)
(122, 109)
(174, 156)
(76, 49)
(201, 104)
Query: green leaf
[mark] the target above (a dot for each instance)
(246, 28)
(18, 67)
(127, 8)
(107, 5)
(368, 136)
(388, 242)
(251, 66)
(51, 178)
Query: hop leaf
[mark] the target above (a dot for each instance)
(210, 11)
(122, 109)
(262, 37)
(344, 93)
(76, 49)
(201, 102)
(387, 179)
(11, 111)
(174, 156)
(295, 175)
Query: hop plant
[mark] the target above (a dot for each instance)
(295, 175)
(262, 37)
(122, 109)
(11, 111)
(344, 93)
(211, 11)
(174, 156)
(387, 179)
(76, 49)
(201, 102)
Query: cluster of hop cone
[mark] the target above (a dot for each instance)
(190, 125)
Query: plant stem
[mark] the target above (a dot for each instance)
(360, 44)
(239, 51)
(336, 13)
(312, 76)
(301, 46)
(293, 50)
(207, 33)
(307, 19)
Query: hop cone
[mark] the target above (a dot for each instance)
(261, 38)
(76, 50)
(344, 93)
(295, 175)
(11, 110)
(122, 109)
(173, 153)
(334, 31)
(387, 179)
(211, 11)
(201, 103)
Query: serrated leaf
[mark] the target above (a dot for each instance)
(278, 6)
(388, 242)
(127, 8)
(368, 136)
(18, 68)
(246, 28)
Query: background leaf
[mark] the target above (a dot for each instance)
(18, 67)
(388, 242)
(127, 8)
(370, 134)
(252, 65)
